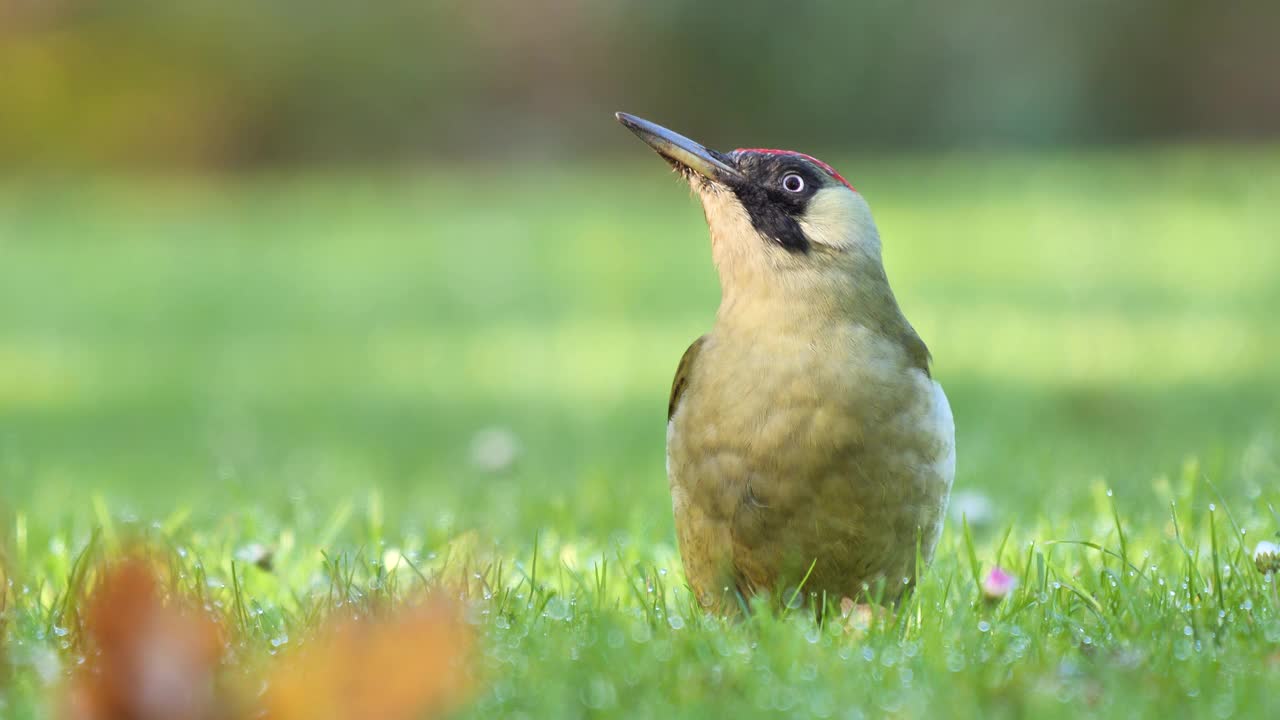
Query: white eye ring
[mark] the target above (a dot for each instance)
(793, 183)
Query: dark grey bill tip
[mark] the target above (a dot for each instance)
(679, 149)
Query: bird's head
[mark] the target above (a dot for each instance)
(784, 225)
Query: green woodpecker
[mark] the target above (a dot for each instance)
(809, 449)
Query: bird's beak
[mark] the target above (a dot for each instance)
(682, 151)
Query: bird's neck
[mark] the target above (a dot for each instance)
(814, 313)
(775, 313)
(770, 300)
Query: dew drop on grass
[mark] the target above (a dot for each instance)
(984, 626)
(675, 621)
(1188, 631)
(279, 640)
(1182, 649)
(557, 609)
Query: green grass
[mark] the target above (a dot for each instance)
(303, 362)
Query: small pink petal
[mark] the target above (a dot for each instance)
(998, 583)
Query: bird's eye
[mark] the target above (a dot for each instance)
(792, 182)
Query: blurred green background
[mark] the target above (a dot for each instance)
(271, 255)
(232, 83)
(357, 279)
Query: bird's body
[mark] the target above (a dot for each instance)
(771, 472)
(808, 447)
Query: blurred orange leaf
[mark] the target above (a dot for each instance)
(152, 656)
(144, 659)
(403, 666)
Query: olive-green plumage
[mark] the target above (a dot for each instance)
(807, 443)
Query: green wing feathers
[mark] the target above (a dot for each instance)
(682, 375)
